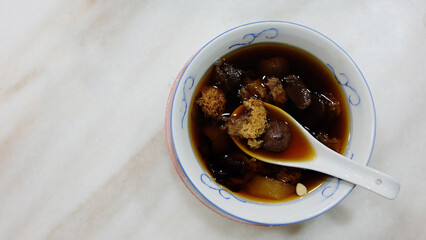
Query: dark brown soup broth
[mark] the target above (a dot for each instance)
(229, 167)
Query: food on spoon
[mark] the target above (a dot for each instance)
(251, 125)
(277, 137)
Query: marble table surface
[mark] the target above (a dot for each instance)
(83, 91)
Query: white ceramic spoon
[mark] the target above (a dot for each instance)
(322, 159)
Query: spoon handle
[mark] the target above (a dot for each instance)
(364, 176)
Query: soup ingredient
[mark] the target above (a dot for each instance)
(300, 149)
(288, 174)
(276, 90)
(219, 139)
(277, 137)
(324, 107)
(331, 142)
(315, 112)
(252, 126)
(297, 91)
(301, 189)
(234, 170)
(333, 107)
(254, 89)
(270, 91)
(212, 101)
(227, 76)
(274, 67)
(269, 188)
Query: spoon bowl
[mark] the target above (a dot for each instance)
(320, 158)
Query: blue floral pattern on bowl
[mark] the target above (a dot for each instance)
(249, 38)
(353, 96)
(190, 81)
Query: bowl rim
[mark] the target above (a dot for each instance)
(182, 173)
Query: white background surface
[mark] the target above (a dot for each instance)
(83, 90)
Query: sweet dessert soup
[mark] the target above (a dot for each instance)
(281, 75)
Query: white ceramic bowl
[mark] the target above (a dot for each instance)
(199, 182)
